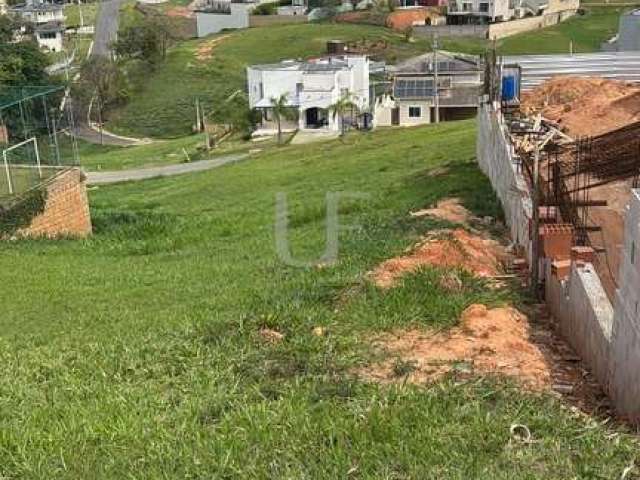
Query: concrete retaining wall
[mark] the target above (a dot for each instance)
(506, 29)
(625, 360)
(584, 316)
(452, 30)
(208, 23)
(496, 159)
(269, 20)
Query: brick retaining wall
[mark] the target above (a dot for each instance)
(66, 210)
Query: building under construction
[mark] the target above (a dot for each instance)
(566, 167)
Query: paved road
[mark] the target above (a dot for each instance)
(102, 178)
(106, 27)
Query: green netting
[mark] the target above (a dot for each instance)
(11, 95)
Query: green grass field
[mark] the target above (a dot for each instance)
(136, 354)
(586, 32)
(72, 14)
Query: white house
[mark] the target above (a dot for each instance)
(3, 7)
(39, 12)
(480, 11)
(50, 36)
(311, 88)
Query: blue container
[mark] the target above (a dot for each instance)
(508, 88)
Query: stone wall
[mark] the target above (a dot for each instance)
(497, 160)
(66, 209)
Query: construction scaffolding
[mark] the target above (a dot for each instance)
(37, 137)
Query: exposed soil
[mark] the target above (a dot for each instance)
(584, 106)
(498, 341)
(476, 253)
(449, 209)
(182, 12)
(205, 49)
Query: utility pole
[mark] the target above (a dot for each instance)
(535, 245)
(80, 13)
(435, 79)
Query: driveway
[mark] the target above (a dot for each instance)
(103, 178)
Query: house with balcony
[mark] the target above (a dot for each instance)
(39, 12)
(461, 12)
(413, 97)
(311, 88)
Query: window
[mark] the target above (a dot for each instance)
(415, 112)
(484, 7)
(633, 253)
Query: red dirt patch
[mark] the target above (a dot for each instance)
(205, 49)
(181, 12)
(445, 248)
(449, 209)
(487, 341)
(584, 106)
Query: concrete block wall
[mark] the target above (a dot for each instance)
(625, 359)
(495, 156)
(66, 210)
(513, 27)
(584, 315)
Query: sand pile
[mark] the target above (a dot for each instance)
(444, 248)
(487, 341)
(584, 106)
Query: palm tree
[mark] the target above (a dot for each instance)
(341, 107)
(280, 112)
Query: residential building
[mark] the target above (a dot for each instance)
(39, 12)
(3, 7)
(50, 36)
(413, 97)
(480, 11)
(213, 16)
(311, 88)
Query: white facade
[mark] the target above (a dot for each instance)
(230, 16)
(488, 10)
(311, 88)
(50, 39)
(40, 13)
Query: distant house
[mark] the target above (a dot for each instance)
(492, 11)
(311, 88)
(412, 100)
(50, 36)
(47, 19)
(39, 12)
(3, 7)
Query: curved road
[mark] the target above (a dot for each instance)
(117, 176)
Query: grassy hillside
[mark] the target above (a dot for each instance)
(586, 32)
(136, 354)
(162, 102)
